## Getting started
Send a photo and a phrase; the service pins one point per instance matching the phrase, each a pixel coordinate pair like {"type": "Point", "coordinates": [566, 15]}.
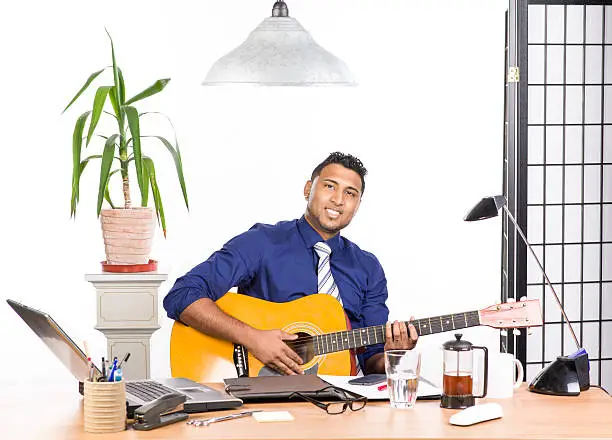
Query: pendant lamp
{"type": "Point", "coordinates": [280, 52]}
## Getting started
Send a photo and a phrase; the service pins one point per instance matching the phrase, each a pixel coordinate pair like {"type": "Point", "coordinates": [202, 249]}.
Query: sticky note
{"type": "Point", "coordinates": [273, 416]}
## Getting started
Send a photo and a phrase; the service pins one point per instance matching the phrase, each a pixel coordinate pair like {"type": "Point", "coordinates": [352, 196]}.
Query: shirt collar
{"type": "Point", "coordinates": [311, 237]}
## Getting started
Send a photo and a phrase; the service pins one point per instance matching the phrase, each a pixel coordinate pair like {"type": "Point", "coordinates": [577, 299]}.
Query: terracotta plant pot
{"type": "Point", "coordinates": [128, 234]}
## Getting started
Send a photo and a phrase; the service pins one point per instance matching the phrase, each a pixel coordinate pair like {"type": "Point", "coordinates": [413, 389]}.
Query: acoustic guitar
{"type": "Point", "coordinates": [324, 337]}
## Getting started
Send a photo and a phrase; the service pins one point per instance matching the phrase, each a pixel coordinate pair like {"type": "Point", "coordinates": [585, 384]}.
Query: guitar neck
{"type": "Point", "coordinates": [362, 337]}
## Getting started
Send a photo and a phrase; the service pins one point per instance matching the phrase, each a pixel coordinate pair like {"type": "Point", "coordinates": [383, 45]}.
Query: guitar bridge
{"type": "Point", "coordinates": [241, 360]}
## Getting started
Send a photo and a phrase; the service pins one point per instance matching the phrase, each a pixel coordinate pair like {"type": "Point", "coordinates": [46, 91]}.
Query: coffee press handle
{"type": "Point", "coordinates": [486, 369]}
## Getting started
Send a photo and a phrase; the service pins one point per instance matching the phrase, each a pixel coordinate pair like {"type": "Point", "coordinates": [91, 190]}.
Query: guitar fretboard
{"type": "Point", "coordinates": [362, 337]}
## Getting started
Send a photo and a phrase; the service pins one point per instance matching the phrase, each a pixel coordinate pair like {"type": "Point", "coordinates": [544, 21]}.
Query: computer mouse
{"type": "Point", "coordinates": [476, 414]}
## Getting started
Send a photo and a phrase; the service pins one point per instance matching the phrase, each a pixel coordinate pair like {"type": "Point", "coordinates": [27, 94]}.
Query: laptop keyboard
{"type": "Point", "coordinates": [147, 390]}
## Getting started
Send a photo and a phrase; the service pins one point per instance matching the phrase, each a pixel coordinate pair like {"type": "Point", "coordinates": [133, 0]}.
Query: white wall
{"type": "Point", "coordinates": [426, 120]}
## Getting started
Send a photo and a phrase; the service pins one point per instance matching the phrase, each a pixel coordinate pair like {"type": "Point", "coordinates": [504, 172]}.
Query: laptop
{"type": "Point", "coordinates": [200, 398]}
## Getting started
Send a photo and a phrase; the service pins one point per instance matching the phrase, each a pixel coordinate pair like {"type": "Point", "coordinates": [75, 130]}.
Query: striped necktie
{"type": "Point", "coordinates": [326, 283]}
{"type": "Point", "coordinates": [326, 279]}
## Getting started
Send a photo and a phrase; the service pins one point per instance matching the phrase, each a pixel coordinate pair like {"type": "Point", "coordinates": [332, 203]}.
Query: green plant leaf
{"type": "Point", "coordinates": [176, 155]}
{"type": "Point", "coordinates": [107, 197]}
{"type": "Point", "coordinates": [134, 124]}
{"type": "Point", "coordinates": [121, 87]}
{"type": "Point", "coordinates": [157, 87]}
{"type": "Point", "coordinates": [106, 191]}
{"type": "Point", "coordinates": [146, 180]}
{"type": "Point", "coordinates": [82, 166]}
{"type": "Point", "coordinates": [113, 99]}
{"type": "Point", "coordinates": [118, 92]}
{"type": "Point", "coordinates": [77, 142]}
{"type": "Point", "coordinates": [116, 102]}
{"type": "Point", "coordinates": [99, 135]}
{"type": "Point", "coordinates": [87, 83]}
{"type": "Point", "coordinates": [159, 207]}
{"type": "Point", "coordinates": [85, 161]}
{"type": "Point", "coordinates": [98, 105]}
{"type": "Point", "coordinates": [107, 161]}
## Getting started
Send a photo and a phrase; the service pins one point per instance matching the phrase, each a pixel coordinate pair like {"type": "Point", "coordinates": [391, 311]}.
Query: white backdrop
{"type": "Point", "coordinates": [426, 121]}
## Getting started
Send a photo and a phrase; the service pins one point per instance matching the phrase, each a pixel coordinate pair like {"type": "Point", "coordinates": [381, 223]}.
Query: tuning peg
{"type": "Point", "coordinates": [504, 333]}
{"type": "Point", "coordinates": [516, 332]}
{"type": "Point", "coordinates": [511, 300]}
{"type": "Point", "coordinates": [523, 298]}
{"type": "Point", "coordinates": [529, 331]}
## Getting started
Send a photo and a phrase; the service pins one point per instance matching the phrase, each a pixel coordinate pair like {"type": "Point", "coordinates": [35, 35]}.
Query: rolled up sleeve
{"type": "Point", "coordinates": [235, 263]}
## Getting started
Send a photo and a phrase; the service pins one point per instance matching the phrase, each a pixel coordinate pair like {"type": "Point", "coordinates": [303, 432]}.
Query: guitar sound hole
{"type": "Point", "coordinates": [303, 346]}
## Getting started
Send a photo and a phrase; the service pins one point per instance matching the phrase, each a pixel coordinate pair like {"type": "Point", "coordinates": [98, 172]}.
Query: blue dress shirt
{"type": "Point", "coordinates": [278, 263]}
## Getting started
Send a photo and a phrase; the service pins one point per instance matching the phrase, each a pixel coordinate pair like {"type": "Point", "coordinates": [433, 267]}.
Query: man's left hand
{"type": "Point", "coordinates": [400, 337]}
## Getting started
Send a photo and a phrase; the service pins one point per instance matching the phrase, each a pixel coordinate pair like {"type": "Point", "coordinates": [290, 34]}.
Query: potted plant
{"type": "Point", "coordinates": [128, 230]}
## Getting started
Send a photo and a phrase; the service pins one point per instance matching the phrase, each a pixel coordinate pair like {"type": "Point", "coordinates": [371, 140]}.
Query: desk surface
{"type": "Point", "coordinates": [58, 414]}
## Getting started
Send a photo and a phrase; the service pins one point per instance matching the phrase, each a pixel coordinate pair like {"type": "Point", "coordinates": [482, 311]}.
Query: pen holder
{"type": "Point", "coordinates": [104, 406]}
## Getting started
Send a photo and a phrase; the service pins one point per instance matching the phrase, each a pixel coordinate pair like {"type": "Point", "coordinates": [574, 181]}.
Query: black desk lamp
{"type": "Point", "coordinates": [568, 375]}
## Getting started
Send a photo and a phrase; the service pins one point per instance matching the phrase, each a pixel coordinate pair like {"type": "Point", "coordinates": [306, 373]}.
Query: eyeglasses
{"type": "Point", "coordinates": [349, 400]}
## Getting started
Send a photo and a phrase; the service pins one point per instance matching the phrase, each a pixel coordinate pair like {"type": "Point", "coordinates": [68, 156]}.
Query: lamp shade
{"type": "Point", "coordinates": [280, 52]}
{"type": "Point", "coordinates": [487, 207]}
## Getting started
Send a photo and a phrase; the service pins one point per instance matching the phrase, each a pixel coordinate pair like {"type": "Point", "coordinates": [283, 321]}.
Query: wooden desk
{"type": "Point", "coordinates": [59, 415]}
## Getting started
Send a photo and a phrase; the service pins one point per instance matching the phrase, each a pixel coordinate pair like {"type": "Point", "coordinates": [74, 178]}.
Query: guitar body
{"type": "Point", "coordinates": [203, 358]}
{"type": "Point", "coordinates": [324, 337]}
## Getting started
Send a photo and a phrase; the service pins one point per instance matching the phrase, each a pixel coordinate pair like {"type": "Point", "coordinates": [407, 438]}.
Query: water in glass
{"type": "Point", "coordinates": [402, 389]}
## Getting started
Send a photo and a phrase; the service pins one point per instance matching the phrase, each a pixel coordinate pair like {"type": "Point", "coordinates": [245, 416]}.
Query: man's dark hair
{"type": "Point", "coordinates": [347, 161]}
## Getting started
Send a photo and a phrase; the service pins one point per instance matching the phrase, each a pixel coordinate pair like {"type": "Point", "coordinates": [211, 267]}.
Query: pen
{"type": "Point", "coordinates": [206, 422]}
{"type": "Point", "coordinates": [111, 375]}
{"type": "Point", "coordinates": [125, 359]}
{"type": "Point", "coordinates": [103, 378]}
{"type": "Point", "coordinates": [382, 387]}
{"type": "Point", "coordinates": [90, 365]}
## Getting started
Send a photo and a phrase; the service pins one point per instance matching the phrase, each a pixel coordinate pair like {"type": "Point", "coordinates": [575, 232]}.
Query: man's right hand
{"type": "Point", "coordinates": [269, 348]}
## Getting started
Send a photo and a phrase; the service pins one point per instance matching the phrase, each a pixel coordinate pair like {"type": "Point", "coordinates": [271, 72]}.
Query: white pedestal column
{"type": "Point", "coordinates": [126, 309]}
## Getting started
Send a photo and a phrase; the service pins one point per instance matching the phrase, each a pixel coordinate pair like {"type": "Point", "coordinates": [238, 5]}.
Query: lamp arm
{"type": "Point", "coordinates": [518, 229]}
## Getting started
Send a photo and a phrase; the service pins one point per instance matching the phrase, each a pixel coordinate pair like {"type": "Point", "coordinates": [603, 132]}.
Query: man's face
{"type": "Point", "coordinates": [333, 198]}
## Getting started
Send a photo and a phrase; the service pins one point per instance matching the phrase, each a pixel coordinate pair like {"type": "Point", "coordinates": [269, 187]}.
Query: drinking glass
{"type": "Point", "coordinates": [403, 368]}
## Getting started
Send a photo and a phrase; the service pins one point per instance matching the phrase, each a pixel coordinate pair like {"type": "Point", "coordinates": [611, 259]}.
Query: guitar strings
{"type": "Point", "coordinates": [310, 339]}
{"type": "Point", "coordinates": [381, 328]}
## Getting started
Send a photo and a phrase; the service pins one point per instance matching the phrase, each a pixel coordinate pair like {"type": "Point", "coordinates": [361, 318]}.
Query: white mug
{"type": "Point", "coordinates": [505, 375]}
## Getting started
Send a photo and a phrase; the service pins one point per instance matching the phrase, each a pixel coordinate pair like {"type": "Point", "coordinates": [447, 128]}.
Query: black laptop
{"type": "Point", "coordinates": [200, 398]}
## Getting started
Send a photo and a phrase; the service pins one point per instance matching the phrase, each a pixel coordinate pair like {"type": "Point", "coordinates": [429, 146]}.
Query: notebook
{"type": "Point", "coordinates": [200, 398]}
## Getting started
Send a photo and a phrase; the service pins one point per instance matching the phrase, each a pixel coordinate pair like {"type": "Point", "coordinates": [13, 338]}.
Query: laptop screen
{"type": "Point", "coordinates": [55, 338]}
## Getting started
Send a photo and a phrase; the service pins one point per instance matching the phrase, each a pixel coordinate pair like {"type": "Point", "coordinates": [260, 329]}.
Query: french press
{"type": "Point", "coordinates": [458, 373]}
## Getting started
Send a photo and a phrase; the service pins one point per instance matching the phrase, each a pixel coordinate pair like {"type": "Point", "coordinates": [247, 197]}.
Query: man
{"type": "Point", "coordinates": [292, 259]}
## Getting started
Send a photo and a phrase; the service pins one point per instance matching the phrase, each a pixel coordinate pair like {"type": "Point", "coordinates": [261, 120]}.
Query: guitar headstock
{"type": "Point", "coordinates": [526, 313]}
